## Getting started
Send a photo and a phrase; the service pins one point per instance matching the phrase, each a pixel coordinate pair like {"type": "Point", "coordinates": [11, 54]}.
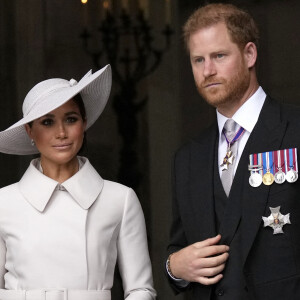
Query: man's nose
{"type": "Point", "coordinates": [209, 68]}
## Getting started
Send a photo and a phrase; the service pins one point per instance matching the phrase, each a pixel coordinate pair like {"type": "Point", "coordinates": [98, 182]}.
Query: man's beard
{"type": "Point", "coordinates": [229, 91]}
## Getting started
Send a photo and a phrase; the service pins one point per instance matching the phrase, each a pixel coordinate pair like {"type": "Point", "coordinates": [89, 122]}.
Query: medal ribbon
{"type": "Point", "coordinates": [260, 162]}
{"type": "Point", "coordinates": [291, 156]}
{"type": "Point", "coordinates": [285, 160]}
{"type": "Point", "coordinates": [255, 160]}
{"type": "Point", "coordinates": [279, 158]}
{"type": "Point", "coordinates": [289, 159]}
{"type": "Point", "coordinates": [291, 162]}
{"type": "Point", "coordinates": [237, 136]}
{"type": "Point", "coordinates": [251, 159]}
{"type": "Point", "coordinates": [271, 162]}
{"type": "Point", "coordinates": [295, 159]}
{"type": "Point", "coordinates": [268, 162]}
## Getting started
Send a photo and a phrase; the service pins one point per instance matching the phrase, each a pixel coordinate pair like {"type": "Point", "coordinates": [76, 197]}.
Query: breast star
{"type": "Point", "coordinates": [276, 220]}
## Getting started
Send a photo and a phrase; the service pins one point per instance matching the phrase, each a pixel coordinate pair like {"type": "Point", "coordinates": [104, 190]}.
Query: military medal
{"type": "Point", "coordinates": [276, 220]}
{"type": "Point", "coordinates": [292, 166]}
{"type": "Point", "coordinates": [291, 176]}
{"type": "Point", "coordinates": [255, 168]}
{"type": "Point", "coordinates": [255, 179]}
{"type": "Point", "coordinates": [229, 157]}
{"type": "Point", "coordinates": [268, 177]}
{"type": "Point", "coordinates": [279, 176]}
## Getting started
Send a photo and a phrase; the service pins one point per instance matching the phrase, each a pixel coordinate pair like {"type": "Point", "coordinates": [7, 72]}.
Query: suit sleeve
{"type": "Point", "coordinates": [133, 256]}
{"type": "Point", "coordinates": [177, 235]}
{"type": "Point", "coordinates": [2, 262]}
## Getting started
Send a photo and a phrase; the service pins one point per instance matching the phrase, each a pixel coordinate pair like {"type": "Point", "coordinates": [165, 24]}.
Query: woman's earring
{"type": "Point", "coordinates": [32, 143]}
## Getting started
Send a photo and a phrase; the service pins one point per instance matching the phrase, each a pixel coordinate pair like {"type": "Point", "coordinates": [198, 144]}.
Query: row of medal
{"type": "Point", "coordinates": [274, 166]}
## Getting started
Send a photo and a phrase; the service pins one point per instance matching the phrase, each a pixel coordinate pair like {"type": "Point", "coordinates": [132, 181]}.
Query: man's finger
{"type": "Point", "coordinates": [208, 242]}
{"type": "Point", "coordinates": [212, 250]}
{"type": "Point", "coordinates": [209, 280]}
{"type": "Point", "coordinates": [211, 272]}
{"type": "Point", "coordinates": [210, 262]}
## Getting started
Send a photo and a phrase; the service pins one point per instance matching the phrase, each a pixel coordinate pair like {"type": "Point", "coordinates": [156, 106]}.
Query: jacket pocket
{"type": "Point", "coordinates": [272, 256]}
{"type": "Point", "coordinates": [287, 288]}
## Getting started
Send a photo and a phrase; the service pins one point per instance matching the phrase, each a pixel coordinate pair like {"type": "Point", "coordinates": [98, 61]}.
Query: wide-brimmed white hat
{"type": "Point", "coordinates": [51, 94]}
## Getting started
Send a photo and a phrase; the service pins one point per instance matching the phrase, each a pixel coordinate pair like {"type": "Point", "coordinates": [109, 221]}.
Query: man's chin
{"type": "Point", "coordinates": [213, 99]}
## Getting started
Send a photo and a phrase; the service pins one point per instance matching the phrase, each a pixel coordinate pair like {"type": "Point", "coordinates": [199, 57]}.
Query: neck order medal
{"type": "Point", "coordinates": [227, 160]}
{"type": "Point", "coordinates": [229, 157]}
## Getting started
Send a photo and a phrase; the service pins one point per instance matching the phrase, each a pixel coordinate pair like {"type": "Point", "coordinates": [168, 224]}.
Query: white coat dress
{"type": "Point", "coordinates": [69, 236]}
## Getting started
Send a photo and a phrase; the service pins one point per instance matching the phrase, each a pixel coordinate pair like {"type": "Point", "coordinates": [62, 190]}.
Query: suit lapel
{"type": "Point", "coordinates": [201, 184]}
{"type": "Point", "coordinates": [267, 135]}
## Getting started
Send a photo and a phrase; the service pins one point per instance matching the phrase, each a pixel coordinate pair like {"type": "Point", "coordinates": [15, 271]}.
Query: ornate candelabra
{"type": "Point", "coordinates": [126, 43]}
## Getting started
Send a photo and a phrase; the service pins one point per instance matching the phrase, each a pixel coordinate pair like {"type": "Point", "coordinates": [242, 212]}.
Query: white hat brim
{"type": "Point", "coordinates": [94, 90]}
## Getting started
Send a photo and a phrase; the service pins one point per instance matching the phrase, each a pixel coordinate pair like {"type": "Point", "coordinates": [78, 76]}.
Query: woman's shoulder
{"type": "Point", "coordinates": [9, 193]}
{"type": "Point", "coordinates": [118, 194]}
{"type": "Point", "coordinates": [117, 186]}
{"type": "Point", "coordinates": [8, 189]}
{"type": "Point", "coordinates": [120, 202]}
{"type": "Point", "coordinates": [117, 189]}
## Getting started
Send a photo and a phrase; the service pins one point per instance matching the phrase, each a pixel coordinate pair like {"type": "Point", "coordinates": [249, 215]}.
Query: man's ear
{"type": "Point", "coordinates": [250, 54]}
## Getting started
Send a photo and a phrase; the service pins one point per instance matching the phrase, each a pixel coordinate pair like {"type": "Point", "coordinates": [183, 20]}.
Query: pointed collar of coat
{"type": "Point", "coordinates": [84, 186]}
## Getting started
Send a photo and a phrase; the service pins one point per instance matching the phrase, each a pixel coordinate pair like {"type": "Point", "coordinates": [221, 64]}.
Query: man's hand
{"type": "Point", "coordinates": [201, 262]}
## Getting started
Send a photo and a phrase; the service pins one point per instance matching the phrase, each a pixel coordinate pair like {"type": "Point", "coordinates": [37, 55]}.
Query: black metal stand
{"type": "Point", "coordinates": [127, 44]}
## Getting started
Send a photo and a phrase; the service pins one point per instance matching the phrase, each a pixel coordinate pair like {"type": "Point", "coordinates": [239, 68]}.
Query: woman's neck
{"type": "Point", "coordinates": [59, 172]}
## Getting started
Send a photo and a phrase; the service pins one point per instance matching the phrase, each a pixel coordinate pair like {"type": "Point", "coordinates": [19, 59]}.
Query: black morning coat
{"type": "Point", "coordinates": [268, 264]}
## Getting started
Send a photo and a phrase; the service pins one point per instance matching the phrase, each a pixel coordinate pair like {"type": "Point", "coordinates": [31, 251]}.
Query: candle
{"type": "Point", "coordinates": [125, 5]}
{"type": "Point", "coordinates": [168, 11]}
{"type": "Point", "coordinates": [144, 6]}
{"type": "Point", "coordinates": [106, 5]}
{"type": "Point", "coordinates": [85, 13]}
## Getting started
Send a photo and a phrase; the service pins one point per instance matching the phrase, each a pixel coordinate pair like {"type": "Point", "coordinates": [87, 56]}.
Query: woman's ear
{"type": "Point", "coordinates": [250, 54]}
{"type": "Point", "coordinates": [28, 130]}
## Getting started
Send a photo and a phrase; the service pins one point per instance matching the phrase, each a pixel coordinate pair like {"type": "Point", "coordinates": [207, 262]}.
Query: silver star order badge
{"type": "Point", "coordinates": [276, 220]}
{"type": "Point", "coordinates": [228, 160]}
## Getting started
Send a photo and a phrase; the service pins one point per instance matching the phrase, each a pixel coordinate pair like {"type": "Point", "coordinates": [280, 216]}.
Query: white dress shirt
{"type": "Point", "coordinates": [246, 116]}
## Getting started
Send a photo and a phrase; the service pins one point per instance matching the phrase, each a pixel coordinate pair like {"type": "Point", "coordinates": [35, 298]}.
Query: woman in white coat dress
{"type": "Point", "coordinates": [63, 227]}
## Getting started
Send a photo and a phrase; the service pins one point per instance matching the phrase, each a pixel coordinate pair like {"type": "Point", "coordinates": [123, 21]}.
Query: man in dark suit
{"type": "Point", "coordinates": [233, 237]}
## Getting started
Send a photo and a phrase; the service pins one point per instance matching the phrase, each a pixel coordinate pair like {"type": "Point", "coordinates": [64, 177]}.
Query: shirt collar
{"type": "Point", "coordinates": [247, 115]}
{"type": "Point", "coordinates": [84, 186]}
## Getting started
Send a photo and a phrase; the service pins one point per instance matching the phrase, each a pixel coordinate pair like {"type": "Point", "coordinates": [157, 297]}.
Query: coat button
{"type": "Point", "coordinates": [220, 292]}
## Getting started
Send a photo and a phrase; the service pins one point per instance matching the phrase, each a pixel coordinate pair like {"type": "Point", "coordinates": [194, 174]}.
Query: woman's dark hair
{"type": "Point", "coordinates": [79, 102]}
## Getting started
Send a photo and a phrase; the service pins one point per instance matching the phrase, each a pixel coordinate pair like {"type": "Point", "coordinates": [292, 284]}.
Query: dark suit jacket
{"type": "Point", "coordinates": [271, 263]}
